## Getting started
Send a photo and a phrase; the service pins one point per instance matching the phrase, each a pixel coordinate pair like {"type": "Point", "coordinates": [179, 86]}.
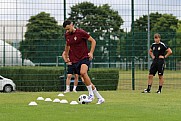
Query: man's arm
{"type": "Point", "coordinates": [65, 54]}
{"type": "Point", "coordinates": [64, 57]}
{"type": "Point", "coordinates": [169, 52]}
{"type": "Point", "coordinates": [93, 45]}
{"type": "Point", "coordinates": [151, 54]}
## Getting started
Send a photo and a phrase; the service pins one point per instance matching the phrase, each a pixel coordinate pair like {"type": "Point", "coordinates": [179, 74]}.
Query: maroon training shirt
{"type": "Point", "coordinates": [78, 45]}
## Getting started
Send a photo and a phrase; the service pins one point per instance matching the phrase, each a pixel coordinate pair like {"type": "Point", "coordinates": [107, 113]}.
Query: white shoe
{"type": "Point", "coordinates": [66, 91]}
{"type": "Point", "coordinates": [158, 91]}
{"type": "Point", "coordinates": [145, 91]}
{"type": "Point", "coordinates": [75, 91]}
{"type": "Point", "coordinates": [100, 101]}
{"type": "Point", "coordinates": [90, 99]}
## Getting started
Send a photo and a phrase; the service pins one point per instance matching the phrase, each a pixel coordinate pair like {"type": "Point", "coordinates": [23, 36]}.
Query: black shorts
{"type": "Point", "coordinates": [71, 69]}
{"type": "Point", "coordinates": [76, 66]}
{"type": "Point", "coordinates": [157, 65]}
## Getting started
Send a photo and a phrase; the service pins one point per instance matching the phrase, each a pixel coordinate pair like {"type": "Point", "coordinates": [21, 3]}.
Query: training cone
{"type": "Point", "coordinates": [32, 103]}
{"type": "Point", "coordinates": [73, 102]}
{"type": "Point", "coordinates": [48, 99]}
{"type": "Point", "coordinates": [61, 95]}
{"type": "Point", "coordinates": [40, 98]}
{"type": "Point", "coordinates": [63, 101]}
{"type": "Point", "coordinates": [56, 100]}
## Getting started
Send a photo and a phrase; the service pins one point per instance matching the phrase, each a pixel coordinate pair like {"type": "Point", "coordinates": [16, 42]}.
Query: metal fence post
{"type": "Point", "coordinates": [133, 49]}
{"type": "Point", "coordinates": [4, 46]}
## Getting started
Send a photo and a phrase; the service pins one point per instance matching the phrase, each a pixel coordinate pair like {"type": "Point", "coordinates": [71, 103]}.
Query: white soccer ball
{"type": "Point", "coordinates": [82, 99]}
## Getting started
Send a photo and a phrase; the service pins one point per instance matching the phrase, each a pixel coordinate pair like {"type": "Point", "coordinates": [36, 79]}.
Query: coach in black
{"type": "Point", "coordinates": [157, 53]}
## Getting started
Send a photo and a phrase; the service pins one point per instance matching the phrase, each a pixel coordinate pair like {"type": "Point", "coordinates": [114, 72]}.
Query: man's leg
{"type": "Point", "coordinates": [161, 81]}
{"type": "Point", "coordinates": [87, 81]}
{"type": "Point", "coordinates": [94, 90]}
{"type": "Point", "coordinates": [69, 76]}
{"type": "Point", "coordinates": [76, 78]}
{"type": "Point", "coordinates": [161, 66]}
{"type": "Point", "coordinates": [150, 81]}
{"type": "Point", "coordinates": [98, 95]}
{"type": "Point", "coordinates": [152, 72]}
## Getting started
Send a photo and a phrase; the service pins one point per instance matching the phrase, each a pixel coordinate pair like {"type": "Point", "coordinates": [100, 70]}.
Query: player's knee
{"type": "Point", "coordinates": [76, 76]}
{"type": "Point", "coordinates": [150, 76]}
{"type": "Point", "coordinates": [160, 76]}
{"type": "Point", "coordinates": [69, 76]}
{"type": "Point", "coordinates": [82, 73]}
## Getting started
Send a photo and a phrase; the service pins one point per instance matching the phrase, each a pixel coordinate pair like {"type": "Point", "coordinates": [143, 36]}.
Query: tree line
{"type": "Point", "coordinates": [44, 38]}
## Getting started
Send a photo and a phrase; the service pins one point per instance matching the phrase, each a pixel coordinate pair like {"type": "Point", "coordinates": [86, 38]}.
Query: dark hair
{"type": "Point", "coordinates": [65, 23]}
{"type": "Point", "coordinates": [157, 35]}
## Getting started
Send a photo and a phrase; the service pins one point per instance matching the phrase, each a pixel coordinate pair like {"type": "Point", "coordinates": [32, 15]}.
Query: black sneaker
{"type": "Point", "coordinates": [158, 91]}
{"type": "Point", "coordinates": [146, 91]}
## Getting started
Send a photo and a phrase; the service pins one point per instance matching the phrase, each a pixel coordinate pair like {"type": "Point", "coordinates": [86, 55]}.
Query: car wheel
{"type": "Point", "coordinates": [8, 88]}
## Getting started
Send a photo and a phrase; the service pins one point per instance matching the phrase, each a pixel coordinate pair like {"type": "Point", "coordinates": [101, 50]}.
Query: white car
{"type": "Point", "coordinates": [7, 85]}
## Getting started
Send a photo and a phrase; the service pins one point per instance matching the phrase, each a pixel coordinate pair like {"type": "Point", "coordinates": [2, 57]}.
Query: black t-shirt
{"type": "Point", "coordinates": [159, 49]}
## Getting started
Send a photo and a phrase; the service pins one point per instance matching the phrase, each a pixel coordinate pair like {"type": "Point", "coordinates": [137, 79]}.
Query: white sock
{"type": "Point", "coordinates": [97, 94]}
{"type": "Point", "coordinates": [67, 87]}
{"type": "Point", "coordinates": [74, 87]}
{"type": "Point", "coordinates": [89, 88]}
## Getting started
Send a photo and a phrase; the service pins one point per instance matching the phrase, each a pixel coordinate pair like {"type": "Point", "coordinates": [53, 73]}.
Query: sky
{"type": "Point", "coordinates": [140, 8]}
{"type": "Point", "coordinates": [21, 10]}
{"type": "Point", "coordinates": [26, 8]}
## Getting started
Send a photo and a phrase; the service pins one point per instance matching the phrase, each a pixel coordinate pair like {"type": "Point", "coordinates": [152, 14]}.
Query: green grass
{"type": "Point", "coordinates": [119, 106]}
{"type": "Point", "coordinates": [172, 80]}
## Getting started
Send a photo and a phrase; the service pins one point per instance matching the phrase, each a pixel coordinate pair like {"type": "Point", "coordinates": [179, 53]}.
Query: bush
{"type": "Point", "coordinates": [105, 79]}
{"type": "Point", "coordinates": [48, 78]}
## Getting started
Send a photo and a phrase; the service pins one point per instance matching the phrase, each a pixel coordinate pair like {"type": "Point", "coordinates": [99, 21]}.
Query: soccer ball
{"type": "Point", "coordinates": [82, 99]}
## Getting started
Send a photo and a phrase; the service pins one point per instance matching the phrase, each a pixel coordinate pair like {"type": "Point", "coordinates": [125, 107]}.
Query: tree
{"type": "Point", "coordinates": [43, 39]}
{"type": "Point", "coordinates": [103, 23]}
{"type": "Point", "coordinates": [141, 24]}
{"type": "Point", "coordinates": [165, 24]}
{"type": "Point", "coordinates": [177, 44]}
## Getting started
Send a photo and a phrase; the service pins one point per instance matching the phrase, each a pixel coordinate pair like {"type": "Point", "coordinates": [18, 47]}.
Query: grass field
{"type": "Point", "coordinates": [172, 80]}
{"type": "Point", "coordinates": [120, 105]}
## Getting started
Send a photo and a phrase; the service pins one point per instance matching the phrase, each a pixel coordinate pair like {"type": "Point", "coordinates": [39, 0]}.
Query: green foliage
{"type": "Point", "coordinates": [105, 79]}
{"type": "Point", "coordinates": [43, 39]}
{"type": "Point", "coordinates": [95, 18]}
{"type": "Point", "coordinates": [48, 78]}
{"type": "Point", "coordinates": [103, 23]}
{"type": "Point", "coordinates": [35, 78]}
{"type": "Point", "coordinates": [177, 44]}
{"type": "Point", "coordinates": [141, 24]}
{"type": "Point", "coordinates": [165, 24]}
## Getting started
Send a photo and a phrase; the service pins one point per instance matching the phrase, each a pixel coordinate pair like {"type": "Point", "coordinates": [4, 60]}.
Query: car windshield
{"type": "Point", "coordinates": [1, 77]}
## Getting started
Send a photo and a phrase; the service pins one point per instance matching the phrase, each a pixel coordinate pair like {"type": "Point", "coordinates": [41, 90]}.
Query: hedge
{"type": "Point", "coordinates": [48, 78]}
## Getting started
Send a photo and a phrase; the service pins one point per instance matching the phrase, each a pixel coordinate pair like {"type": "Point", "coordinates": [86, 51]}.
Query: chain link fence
{"type": "Point", "coordinates": [31, 34]}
